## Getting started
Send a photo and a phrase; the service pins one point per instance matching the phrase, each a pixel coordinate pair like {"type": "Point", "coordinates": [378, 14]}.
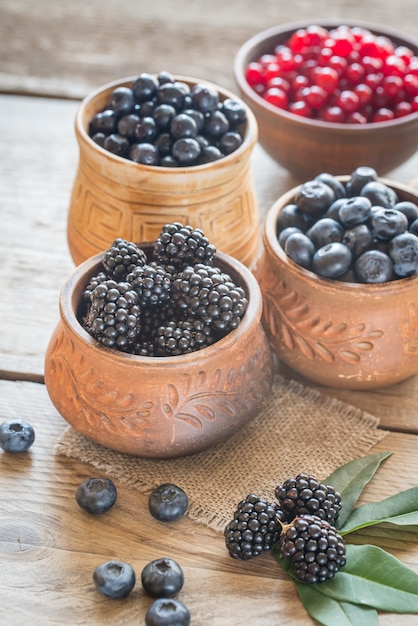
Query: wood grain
{"type": "Point", "coordinates": [67, 49]}
{"type": "Point", "coordinates": [50, 547]}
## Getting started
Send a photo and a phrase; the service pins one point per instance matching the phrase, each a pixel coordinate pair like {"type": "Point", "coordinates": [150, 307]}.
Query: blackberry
{"type": "Point", "coordinates": [121, 258]}
{"type": "Point", "coordinates": [254, 528]}
{"type": "Point", "coordinates": [209, 294]}
{"type": "Point", "coordinates": [315, 548]}
{"type": "Point", "coordinates": [114, 315]}
{"type": "Point", "coordinates": [94, 281]}
{"type": "Point", "coordinates": [174, 338]}
{"type": "Point", "coordinates": [152, 283]}
{"type": "Point", "coordinates": [305, 494]}
{"type": "Point", "coordinates": [180, 246]}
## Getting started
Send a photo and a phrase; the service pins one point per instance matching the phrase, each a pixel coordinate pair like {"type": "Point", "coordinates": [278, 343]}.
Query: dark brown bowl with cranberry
{"type": "Point", "coordinates": [328, 97]}
{"type": "Point", "coordinates": [339, 279]}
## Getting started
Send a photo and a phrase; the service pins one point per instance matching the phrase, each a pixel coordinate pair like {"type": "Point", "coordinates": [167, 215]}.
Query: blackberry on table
{"type": "Point", "coordinates": [305, 494]}
{"type": "Point", "coordinates": [121, 258]}
{"type": "Point", "coordinates": [209, 294]}
{"type": "Point", "coordinates": [254, 528]}
{"type": "Point", "coordinates": [315, 548]}
{"type": "Point", "coordinates": [180, 246]}
{"type": "Point", "coordinates": [152, 283]}
{"type": "Point", "coordinates": [114, 315]}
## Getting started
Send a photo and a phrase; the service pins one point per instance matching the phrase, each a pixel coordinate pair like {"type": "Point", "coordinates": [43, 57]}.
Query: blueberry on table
{"type": "Point", "coordinates": [168, 502]}
{"type": "Point", "coordinates": [167, 612]}
{"type": "Point", "coordinates": [96, 495]}
{"type": "Point", "coordinates": [114, 579]}
{"type": "Point", "coordinates": [162, 578]}
{"type": "Point", "coordinates": [16, 436]}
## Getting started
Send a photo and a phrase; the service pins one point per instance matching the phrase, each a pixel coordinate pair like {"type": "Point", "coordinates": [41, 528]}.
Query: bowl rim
{"type": "Point", "coordinates": [244, 54]}
{"type": "Point", "coordinates": [250, 138]}
{"type": "Point", "coordinates": [70, 297]}
{"type": "Point", "coordinates": [371, 290]}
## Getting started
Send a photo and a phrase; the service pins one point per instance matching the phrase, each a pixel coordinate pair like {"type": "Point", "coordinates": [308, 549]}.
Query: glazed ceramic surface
{"type": "Point", "coordinates": [115, 197]}
{"type": "Point", "coordinates": [307, 147]}
{"type": "Point", "coordinates": [337, 334]}
{"type": "Point", "coordinates": [158, 407]}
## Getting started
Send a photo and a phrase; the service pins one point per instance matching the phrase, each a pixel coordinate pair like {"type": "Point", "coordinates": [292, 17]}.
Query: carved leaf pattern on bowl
{"type": "Point", "coordinates": [289, 317]}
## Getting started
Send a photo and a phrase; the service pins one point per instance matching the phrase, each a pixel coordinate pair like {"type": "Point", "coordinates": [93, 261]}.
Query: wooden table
{"type": "Point", "coordinates": [48, 547]}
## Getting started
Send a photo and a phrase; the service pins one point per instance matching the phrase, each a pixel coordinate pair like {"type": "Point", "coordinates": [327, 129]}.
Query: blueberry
{"type": "Point", "coordinates": [204, 98]}
{"type": "Point", "coordinates": [169, 93]}
{"type": "Point", "coordinates": [410, 209]}
{"type": "Point", "coordinates": [300, 249]}
{"type": "Point", "coordinates": [145, 130]}
{"type": "Point", "coordinates": [332, 260]}
{"type": "Point", "coordinates": [359, 178]}
{"type": "Point", "coordinates": [168, 502]}
{"type": "Point", "coordinates": [387, 223]}
{"type": "Point", "coordinates": [234, 111]}
{"type": "Point", "coordinates": [373, 266]}
{"type": "Point", "coordinates": [380, 194]}
{"type": "Point", "coordinates": [163, 114]}
{"type": "Point", "coordinates": [325, 230]}
{"type": "Point", "coordinates": [114, 579]}
{"type": "Point", "coordinates": [145, 87]}
{"type": "Point", "coordinates": [96, 495]}
{"type": "Point", "coordinates": [198, 117]}
{"type": "Point", "coordinates": [290, 216]}
{"type": "Point", "coordinates": [285, 233]}
{"type": "Point", "coordinates": [162, 578]}
{"type": "Point", "coordinates": [314, 198]}
{"type": "Point", "coordinates": [333, 210]}
{"type": "Point", "coordinates": [183, 125]}
{"type": "Point", "coordinates": [116, 144]}
{"type": "Point", "coordinates": [145, 153]}
{"type": "Point", "coordinates": [127, 123]}
{"type": "Point", "coordinates": [122, 100]}
{"type": "Point", "coordinates": [186, 151]}
{"type": "Point", "coordinates": [403, 250]}
{"type": "Point", "coordinates": [229, 142]}
{"type": "Point", "coordinates": [216, 124]}
{"type": "Point", "coordinates": [16, 436]}
{"type": "Point", "coordinates": [167, 612]}
{"type": "Point", "coordinates": [104, 121]}
{"type": "Point", "coordinates": [414, 227]}
{"type": "Point", "coordinates": [333, 182]}
{"type": "Point", "coordinates": [355, 210]}
{"type": "Point", "coordinates": [358, 239]}
{"type": "Point", "coordinates": [209, 154]}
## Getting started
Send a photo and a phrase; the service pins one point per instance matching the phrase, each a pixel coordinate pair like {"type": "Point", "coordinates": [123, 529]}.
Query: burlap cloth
{"type": "Point", "coordinates": [299, 429]}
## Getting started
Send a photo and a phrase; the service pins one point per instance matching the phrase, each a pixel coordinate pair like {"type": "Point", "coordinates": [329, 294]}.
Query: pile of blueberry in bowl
{"type": "Point", "coordinates": [339, 277]}
{"type": "Point", "coordinates": [169, 122]}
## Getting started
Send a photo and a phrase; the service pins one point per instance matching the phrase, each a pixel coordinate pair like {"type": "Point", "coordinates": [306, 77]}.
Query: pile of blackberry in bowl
{"type": "Point", "coordinates": [339, 277]}
{"type": "Point", "coordinates": [160, 350]}
{"type": "Point", "coordinates": [165, 299]}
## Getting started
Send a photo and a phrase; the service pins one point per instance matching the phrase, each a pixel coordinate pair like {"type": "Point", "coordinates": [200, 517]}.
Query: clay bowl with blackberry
{"type": "Point", "coordinates": [300, 120]}
{"type": "Point", "coordinates": [339, 332]}
{"type": "Point", "coordinates": [129, 196]}
{"type": "Point", "coordinates": [158, 406]}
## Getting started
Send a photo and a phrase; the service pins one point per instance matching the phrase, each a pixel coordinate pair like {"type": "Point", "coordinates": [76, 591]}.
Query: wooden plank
{"type": "Point", "coordinates": [50, 547]}
{"type": "Point", "coordinates": [67, 49]}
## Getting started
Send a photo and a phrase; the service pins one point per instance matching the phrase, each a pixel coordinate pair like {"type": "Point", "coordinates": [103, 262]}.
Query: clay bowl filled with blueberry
{"type": "Point", "coordinates": [155, 149]}
{"type": "Point", "coordinates": [339, 280]}
{"type": "Point", "coordinates": [328, 97]}
{"type": "Point", "coordinates": [160, 350]}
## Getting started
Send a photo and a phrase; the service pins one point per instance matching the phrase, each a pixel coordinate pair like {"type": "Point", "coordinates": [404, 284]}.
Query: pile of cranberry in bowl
{"type": "Point", "coordinates": [328, 97]}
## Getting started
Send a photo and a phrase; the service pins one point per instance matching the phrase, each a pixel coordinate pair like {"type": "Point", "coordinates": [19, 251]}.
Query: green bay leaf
{"type": "Point", "coordinates": [330, 612]}
{"type": "Point", "coordinates": [373, 577]}
{"type": "Point", "coordinates": [400, 509]}
{"type": "Point", "coordinates": [351, 478]}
